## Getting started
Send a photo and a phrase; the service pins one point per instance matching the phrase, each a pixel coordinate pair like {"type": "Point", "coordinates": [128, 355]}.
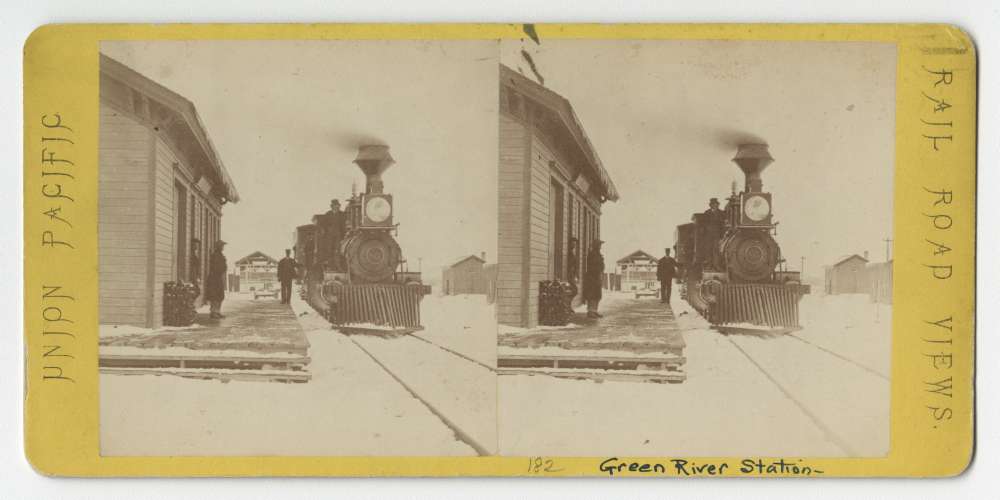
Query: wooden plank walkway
{"type": "Point", "coordinates": [640, 326]}
{"type": "Point", "coordinates": [668, 376]}
{"type": "Point", "coordinates": [636, 339]}
{"type": "Point", "coordinates": [264, 326]}
{"type": "Point", "coordinates": [284, 376]}
{"type": "Point", "coordinates": [255, 335]}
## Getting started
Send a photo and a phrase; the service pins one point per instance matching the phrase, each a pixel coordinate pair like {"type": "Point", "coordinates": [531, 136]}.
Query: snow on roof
{"type": "Point", "coordinates": [463, 259]}
{"type": "Point", "coordinates": [844, 258]}
{"type": "Point", "coordinates": [634, 256]}
{"type": "Point", "coordinates": [184, 113]}
{"type": "Point", "coordinates": [564, 110]}
{"type": "Point", "coordinates": [258, 255]}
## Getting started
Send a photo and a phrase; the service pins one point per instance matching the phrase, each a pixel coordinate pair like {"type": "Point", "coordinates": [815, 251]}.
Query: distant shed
{"type": "Point", "coordinates": [847, 275]}
{"type": "Point", "coordinates": [467, 276]}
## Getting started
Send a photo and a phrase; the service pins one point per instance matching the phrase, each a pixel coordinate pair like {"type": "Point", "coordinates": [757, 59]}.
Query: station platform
{"type": "Point", "coordinates": [258, 339]}
{"type": "Point", "coordinates": [636, 338]}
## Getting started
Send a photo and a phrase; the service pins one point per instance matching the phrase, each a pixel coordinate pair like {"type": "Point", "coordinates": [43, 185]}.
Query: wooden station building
{"type": "Point", "coordinates": [161, 191]}
{"type": "Point", "coordinates": [551, 187]}
{"type": "Point", "coordinates": [257, 271]}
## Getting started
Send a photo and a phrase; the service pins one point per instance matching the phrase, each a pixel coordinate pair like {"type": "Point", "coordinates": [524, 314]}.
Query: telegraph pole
{"type": "Point", "coordinates": [802, 266]}
{"type": "Point", "coordinates": [888, 249]}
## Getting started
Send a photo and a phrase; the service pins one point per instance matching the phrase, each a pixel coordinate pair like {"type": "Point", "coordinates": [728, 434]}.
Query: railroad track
{"type": "Point", "coordinates": [798, 381]}
{"type": "Point", "coordinates": [842, 357]}
{"type": "Point", "coordinates": [421, 387]}
{"type": "Point", "coordinates": [453, 352]}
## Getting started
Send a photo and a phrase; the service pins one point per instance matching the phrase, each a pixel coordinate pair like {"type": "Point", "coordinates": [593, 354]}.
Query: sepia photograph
{"type": "Point", "coordinates": [690, 252]}
{"type": "Point", "coordinates": [296, 255]}
{"type": "Point", "coordinates": [695, 247]}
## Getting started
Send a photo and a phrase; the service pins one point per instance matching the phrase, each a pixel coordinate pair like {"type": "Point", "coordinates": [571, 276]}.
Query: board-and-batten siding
{"type": "Point", "coordinates": [123, 192]}
{"type": "Point", "coordinates": [514, 306]}
{"type": "Point", "coordinates": [513, 141]}
{"type": "Point", "coordinates": [164, 239]}
{"type": "Point", "coordinates": [538, 225]}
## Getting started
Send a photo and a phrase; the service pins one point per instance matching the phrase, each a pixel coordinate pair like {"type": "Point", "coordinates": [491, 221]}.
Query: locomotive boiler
{"type": "Point", "coordinates": [728, 260]}
{"type": "Point", "coordinates": [354, 270]}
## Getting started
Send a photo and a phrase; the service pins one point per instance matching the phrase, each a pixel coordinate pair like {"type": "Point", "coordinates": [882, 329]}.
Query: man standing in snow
{"type": "Point", "coordinates": [666, 268]}
{"type": "Point", "coordinates": [592, 279]}
{"type": "Point", "coordinates": [215, 285]}
{"type": "Point", "coordinates": [286, 273]}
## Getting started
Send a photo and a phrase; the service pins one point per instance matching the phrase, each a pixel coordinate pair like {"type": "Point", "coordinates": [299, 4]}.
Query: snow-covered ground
{"type": "Point", "coordinates": [350, 407]}
{"type": "Point", "coordinates": [849, 325]}
{"type": "Point", "coordinates": [792, 399]}
{"type": "Point", "coordinates": [113, 331]}
{"type": "Point", "coordinates": [465, 323]}
{"type": "Point", "coordinates": [851, 398]}
{"type": "Point", "coordinates": [824, 406]}
{"type": "Point", "coordinates": [464, 391]}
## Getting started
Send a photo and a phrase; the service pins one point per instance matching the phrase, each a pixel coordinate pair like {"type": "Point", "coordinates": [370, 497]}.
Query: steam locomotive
{"type": "Point", "coordinates": [354, 271]}
{"type": "Point", "coordinates": [728, 261]}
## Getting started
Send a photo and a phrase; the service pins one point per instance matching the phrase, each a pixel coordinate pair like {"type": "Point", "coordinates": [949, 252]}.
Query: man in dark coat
{"type": "Point", "coordinates": [331, 227]}
{"type": "Point", "coordinates": [592, 277]}
{"type": "Point", "coordinates": [715, 221]}
{"type": "Point", "coordinates": [286, 273]}
{"type": "Point", "coordinates": [666, 269]}
{"type": "Point", "coordinates": [215, 285]}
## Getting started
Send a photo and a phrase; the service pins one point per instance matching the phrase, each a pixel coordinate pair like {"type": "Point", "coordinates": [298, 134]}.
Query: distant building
{"type": "Point", "coordinates": [551, 187]}
{"type": "Point", "coordinates": [847, 275]}
{"type": "Point", "coordinates": [467, 276]}
{"type": "Point", "coordinates": [490, 274]}
{"type": "Point", "coordinates": [161, 189]}
{"type": "Point", "coordinates": [880, 282]}
{"type": "Point", "coordinates": [257, 271]}
{"type": "Point", "coordinates": [637, 272]}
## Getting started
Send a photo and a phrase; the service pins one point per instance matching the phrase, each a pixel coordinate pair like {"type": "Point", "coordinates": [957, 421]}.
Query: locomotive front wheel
{"type": "Point", "coordinates": [372, 256]}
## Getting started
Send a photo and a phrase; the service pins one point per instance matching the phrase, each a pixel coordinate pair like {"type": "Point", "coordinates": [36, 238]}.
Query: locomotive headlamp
{"type": "Point", "coordinates": [378, 209]}
{"type": "Point", "coordinates": [756, 208]}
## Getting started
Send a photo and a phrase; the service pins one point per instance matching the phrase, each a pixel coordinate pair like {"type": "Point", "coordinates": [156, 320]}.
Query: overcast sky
{"type": "Point", "coordinates": [666, 117]}
{"type": "Point", "coordinates": [287, 116]}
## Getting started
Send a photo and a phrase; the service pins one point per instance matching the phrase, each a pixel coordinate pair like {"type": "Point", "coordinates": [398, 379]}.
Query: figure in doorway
{"type": "Point", "coordinates": [194, 272]}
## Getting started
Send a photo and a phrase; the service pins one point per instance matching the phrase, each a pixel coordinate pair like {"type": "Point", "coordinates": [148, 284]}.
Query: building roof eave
{"type": "Point", "coordinates": [183, 110]}
{"type": "Point", "coordinates": [630, 257]}
{"type": "Point", "coordinates": [257, 254]}
{"type": "Point", "coordinates": [846, 258]}
{"type": "Point", "coordinates": [463, 259]}
{"type": "Point", "coordinates": [569, 120]}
